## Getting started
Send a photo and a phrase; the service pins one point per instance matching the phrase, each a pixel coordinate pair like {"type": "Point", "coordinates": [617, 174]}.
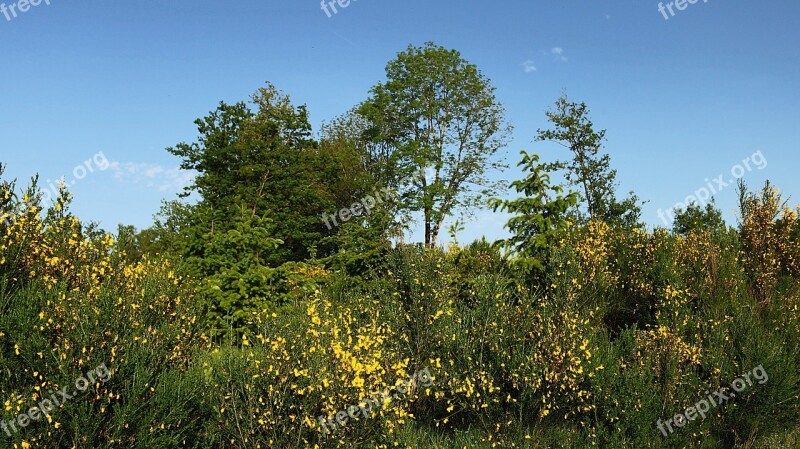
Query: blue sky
{"type": "Point", "coordinates": [684, 99]}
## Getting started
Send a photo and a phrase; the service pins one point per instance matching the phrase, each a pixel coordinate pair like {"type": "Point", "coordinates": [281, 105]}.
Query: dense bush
{"type": "Point", "coordinates": [69, 304]}
{"type": "Point", "coordinates": [624, 327]}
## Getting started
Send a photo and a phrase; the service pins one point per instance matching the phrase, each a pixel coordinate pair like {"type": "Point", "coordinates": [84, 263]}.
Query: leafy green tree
{"type": "Point", "coordinates": [362, 139]}
{"type": "Point", "coordinates": [264, 159]}
{"type": "Point", "coordinates": [128, 242]}
{"type": "Point", "coordinates": [437, 116]}
{"type": "Point", "coordinates": [364, 164]}
{"type": "Point", "coordinates": [237, 278]}
{"type": "Point", "coordinates": [588, 169]}
{"type": "Point", "coordinates": [172, 231]}
{"type": "Point", "coordinates": [539, 218]}
{"type": "Point", "coordinates": [263, 184]}
{"type": "Point", "coordinates": [696, 218]}
{"type": "Point", "coordinates": [359, 245]}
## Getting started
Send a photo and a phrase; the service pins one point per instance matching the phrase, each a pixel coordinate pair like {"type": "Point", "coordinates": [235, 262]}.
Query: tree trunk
{"type": "Point", "coordinates": [428, 231]}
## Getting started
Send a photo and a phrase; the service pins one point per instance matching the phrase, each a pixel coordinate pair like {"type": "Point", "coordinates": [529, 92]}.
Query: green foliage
{"type": "Point", "coordinates": [768, 231]}
{"type": "Point", "coordinates": [264, 185]}
{"type": "Point", "coordinates": [695, 218]}
{"type": "Point", "coordinates": [479, 258]}
{"type": "Point", "coordinates": [80, 306]}
{"type": "Point", "coordinates": [174, 228]}
{"type": "Point", "coordinates": [539, 217]}
{"type": "Point", "coordinates": [361, 246]}
{"type": "Point", "coordinates": [240, 320]}
{"type": "Point", "coordinates": [436, 112]}
{"type": "Point", "coordinates": [573, 129]}
{"type": "Point", "coordinates": [358, 246]}
{"type": "Point", "coordinates": [237, 281]}
{"type": "Point", "coordinates": [513, 366]}
{"type": "Point", "coordinates": [265, 160]}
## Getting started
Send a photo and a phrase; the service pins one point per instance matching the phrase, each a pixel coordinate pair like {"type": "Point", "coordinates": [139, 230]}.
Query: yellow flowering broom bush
{"type": "Point", "coordinates": [69, 304]}
{"type": "Point", "coordinates": [624, 327]}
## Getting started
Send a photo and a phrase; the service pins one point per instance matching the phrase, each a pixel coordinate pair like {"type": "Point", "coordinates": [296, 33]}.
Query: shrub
{"type": "Point", "coordinates": [69, 304]}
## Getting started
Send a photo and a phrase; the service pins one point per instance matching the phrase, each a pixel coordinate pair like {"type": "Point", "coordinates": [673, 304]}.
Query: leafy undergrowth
{"type": "Point", "coordinates": [626, 328]}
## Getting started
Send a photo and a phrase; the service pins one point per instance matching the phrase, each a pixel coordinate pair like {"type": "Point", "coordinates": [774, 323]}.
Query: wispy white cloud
{"type": "Point", "coordinates": [558, 52]}
{"type": "Point", "coordinates": [529, 66]}
{"type": "Point", "coordinates": [153, 176]}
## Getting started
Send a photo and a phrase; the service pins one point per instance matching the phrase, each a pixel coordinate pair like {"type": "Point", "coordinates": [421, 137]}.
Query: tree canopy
{"type": "Point", "coordinates": [437, 115]}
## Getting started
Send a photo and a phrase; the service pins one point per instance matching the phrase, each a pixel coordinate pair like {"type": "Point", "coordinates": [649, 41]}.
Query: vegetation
{"type": "Point", "coordinates": [588, 169]}
{"type": "Point", "coordinates": [437, 111]}
{"type": "Point", "coordinates": [695, 218]}
{"type": "Point", "coordinates": [242, 321]}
